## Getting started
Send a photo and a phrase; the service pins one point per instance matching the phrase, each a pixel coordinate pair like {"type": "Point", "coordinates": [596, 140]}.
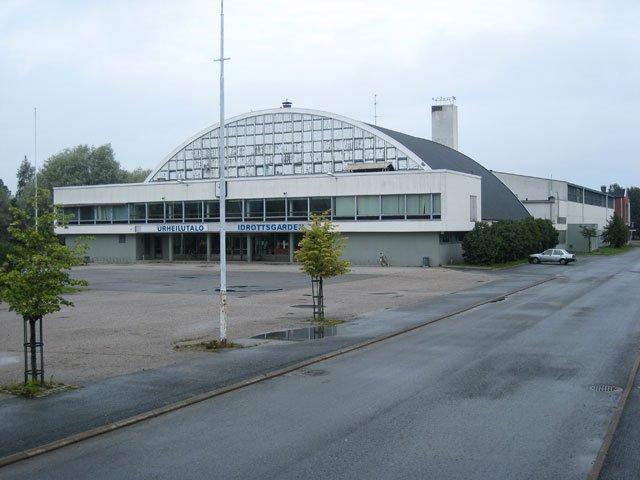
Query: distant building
{"type": "Point", "coordinates": [622, 205]}
{"type": "Point", "coordinates": [566, 205]}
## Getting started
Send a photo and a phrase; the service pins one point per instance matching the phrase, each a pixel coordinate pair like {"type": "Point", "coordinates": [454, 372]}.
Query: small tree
{"type": "Point", "coordinates": [35, 275]}
{"type": "Point", "coordinates": [616, 233]}
{"type": "Point", "coordinates": [319, 253]}
{"type": "Point", "coordinates": [588, 232]}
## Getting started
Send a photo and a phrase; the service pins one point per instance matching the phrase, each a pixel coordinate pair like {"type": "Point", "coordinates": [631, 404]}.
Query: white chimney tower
{"type": "Point", "coordinates": [444, 122]}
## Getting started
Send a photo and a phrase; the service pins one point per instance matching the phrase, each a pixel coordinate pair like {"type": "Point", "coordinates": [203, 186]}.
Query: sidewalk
{"type": "Point", "coordinates": [27, 424]}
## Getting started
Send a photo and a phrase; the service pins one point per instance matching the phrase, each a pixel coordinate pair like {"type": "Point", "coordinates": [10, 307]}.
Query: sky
{"type": "Point", "coordinates": [547, 88]}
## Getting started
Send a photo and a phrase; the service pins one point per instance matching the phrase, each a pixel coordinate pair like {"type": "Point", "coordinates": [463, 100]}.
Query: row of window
{"type": "Point", "coordinates": [361, 207]}
{"type": "Point", "coordinates": [282, 144]}
{"type": "Point", "coordinates": [581, 195]}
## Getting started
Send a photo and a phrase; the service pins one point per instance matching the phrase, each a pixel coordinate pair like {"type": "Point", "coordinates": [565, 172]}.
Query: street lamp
{"type": "Point", "coordinates": [223, 191]}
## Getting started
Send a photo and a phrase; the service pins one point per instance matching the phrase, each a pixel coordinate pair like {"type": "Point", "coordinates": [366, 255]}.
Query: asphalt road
{"type": "Point", "coordinates": [504, 391]}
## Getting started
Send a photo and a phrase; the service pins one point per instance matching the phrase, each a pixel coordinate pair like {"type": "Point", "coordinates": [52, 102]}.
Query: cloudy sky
{"type": "Point", "coordinates": [548, 88]}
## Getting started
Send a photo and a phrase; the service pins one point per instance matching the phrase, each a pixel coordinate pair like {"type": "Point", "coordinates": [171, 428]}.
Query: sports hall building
{"type": "Point", "coordinates": [387, 192]}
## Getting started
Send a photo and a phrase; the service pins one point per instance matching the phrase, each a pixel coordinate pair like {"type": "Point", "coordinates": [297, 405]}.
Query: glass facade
{"type": "Point", "coordinates": [282, 143]}
{"type": "Point", "coordinates": [424, 206]}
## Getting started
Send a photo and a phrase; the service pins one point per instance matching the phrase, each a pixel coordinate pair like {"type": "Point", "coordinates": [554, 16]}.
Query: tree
{"type": "Point", "coordinates": [26, 176]}
{"type": "Point", "coordinates": [319, 253]}
{"type": "Point", "coordinates": [5, 218]}
{"type": "Point", "coordinates": [136, 176]}
{"type": "Point", "coordinates": [588, 232]}
{"type": "Point", "coordinates": [507, 240]}
{"type": "Point", "coordinates": [616, 233]}
{"type": "Point", "coordinates": [35, 275]}
{"type": "Point", "coordinates": [81, 165]}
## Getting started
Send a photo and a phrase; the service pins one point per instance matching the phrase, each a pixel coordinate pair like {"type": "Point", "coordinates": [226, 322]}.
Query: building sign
{"type": "Point", "coordinates": [175, 228]}
{"type": "Point", "coordinates": [270, 227]}
{"type": "Point", "coordinates": [215, 227]}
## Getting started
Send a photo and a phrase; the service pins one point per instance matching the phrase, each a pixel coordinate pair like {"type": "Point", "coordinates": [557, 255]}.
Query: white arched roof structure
{"type": "Point", "coordinates": [285, 141]}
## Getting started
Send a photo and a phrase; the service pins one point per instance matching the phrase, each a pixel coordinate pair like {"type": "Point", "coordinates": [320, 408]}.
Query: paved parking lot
{"type": "Point", "coordinates": [131, 316]}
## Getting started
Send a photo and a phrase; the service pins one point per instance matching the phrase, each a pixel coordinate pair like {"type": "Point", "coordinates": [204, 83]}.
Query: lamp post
{"type": "Point", "coordinates": [223, 191]}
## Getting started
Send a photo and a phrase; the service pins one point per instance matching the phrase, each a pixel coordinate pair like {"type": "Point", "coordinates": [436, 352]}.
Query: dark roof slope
{"type": "Point", "coordinates": [498, 202]}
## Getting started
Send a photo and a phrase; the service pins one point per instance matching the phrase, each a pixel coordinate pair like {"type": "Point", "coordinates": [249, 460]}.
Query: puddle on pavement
{"type": "Point", "coordinates": [302, 334]}
{"type": "Point", "coordinates": [249, 288]}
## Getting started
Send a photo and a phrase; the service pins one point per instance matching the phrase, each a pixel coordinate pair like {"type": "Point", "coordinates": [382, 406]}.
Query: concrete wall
{"type": "Point", "coordinates": [107, 248]}
{"type": "Point", "coordinates": [402, 249]}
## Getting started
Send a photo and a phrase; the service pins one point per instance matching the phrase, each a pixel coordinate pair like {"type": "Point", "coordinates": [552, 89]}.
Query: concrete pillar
{"type": "Point", "coordinates": [171, 247]}
{"type": "Point", "coordinates": [249, 248]}
{"type": "Point", "coordinates": [208, 247]}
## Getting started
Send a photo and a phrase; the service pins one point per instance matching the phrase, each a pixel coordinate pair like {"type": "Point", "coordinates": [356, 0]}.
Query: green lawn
{"type": "Point", "coordinates": [607, 251]}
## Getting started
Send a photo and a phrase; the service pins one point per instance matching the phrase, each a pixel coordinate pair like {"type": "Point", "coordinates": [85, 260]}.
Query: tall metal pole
{"type": "Point", "coordinates": [223, 191]}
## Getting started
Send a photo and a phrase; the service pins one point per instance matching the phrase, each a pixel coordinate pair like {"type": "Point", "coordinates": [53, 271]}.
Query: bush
{"type": "Point", "coordinates": [508, 240]}
{"type": "Point", "coordinates": [616, 233]}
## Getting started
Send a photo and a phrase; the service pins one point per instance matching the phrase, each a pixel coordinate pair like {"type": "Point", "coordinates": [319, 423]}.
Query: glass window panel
{"type": "Point", "coordinates": [212, 210]}
{"type": "Point", "coordinates": [345, 208]}
{"type": "Point", "coordinates": [297, 208]}
{"type": "Point", "coordinates": [275, 208]}
{"type": "Point", "coordinates": [103, 214]}
{"type": "Point", "coordinates": [254, 209]}
{"type": "Point", "coordinates": [174, 211]}
{"type": "Point", "coordinates": [233, 209]}
{"type": "Point", "coordinates": [137, 212]}
{"type": "Point", "coordinates": [87, 214]}
{"type": "Point", "coordinates": [156, 211]}
{"type": "Point", "coordinates": [393, 206]}
{"type": "Point", "coordinates": [319, 205]}
{"type": "Point", "coordinates": [418, 205]}
{"type": "Point", "coordinates": [368, 206]}
{"type": "Point", "coordinates": [71, 214]}
{"type": "Point", "coordinates": [193, 210]}
{"type": "Point", "coordinates": [436, 205]}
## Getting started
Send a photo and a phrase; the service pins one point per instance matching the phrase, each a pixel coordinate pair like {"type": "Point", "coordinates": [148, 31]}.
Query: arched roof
{"type": "Point", "coordinates": [294, 141]}
{"type": "Point", "coordinates": [498, 202]}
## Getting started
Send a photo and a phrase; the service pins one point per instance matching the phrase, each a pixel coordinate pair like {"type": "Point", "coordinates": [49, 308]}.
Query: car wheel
{"type": "Point", "coordinates": [563, 261]}
{"type": "Point", "coordinates": [536, 260]}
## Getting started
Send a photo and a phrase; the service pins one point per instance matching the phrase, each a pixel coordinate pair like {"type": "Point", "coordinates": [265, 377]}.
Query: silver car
{"type": "Point", "coordinates": [553, 255]}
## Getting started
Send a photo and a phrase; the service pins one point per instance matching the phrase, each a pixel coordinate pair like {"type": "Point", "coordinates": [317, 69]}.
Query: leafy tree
{"type": "Point", "coordinates": [319, 253]}
{"type": "Point", "coordinates": [616, 233]}
{"type": "Point", "coordinates": [36, 274]}
{"type": "Point", "coordinates": [5, 218]}
{"type": "Point", "coordinates": [26, 176]}
{"type": "Point", "coordinates": [507, 240]}
{"type": "Point", "coordinates": [136, 176]}
{"type": "Point", "coordinates": [588, 232]}
{"type": "Point", "coordinates": [81, 165]}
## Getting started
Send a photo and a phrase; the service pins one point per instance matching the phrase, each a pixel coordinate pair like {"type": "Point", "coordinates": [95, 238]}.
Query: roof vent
{"type": "Point", "coordinates": [286, 104]}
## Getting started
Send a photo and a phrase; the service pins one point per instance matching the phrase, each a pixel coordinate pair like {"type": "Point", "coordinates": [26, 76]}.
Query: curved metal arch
{"type": "Point", "coordinates": [419, 162]}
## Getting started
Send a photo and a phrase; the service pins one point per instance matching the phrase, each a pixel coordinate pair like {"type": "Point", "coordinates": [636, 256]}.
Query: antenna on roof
{"type": "Point", "coordinates": [375, 109]}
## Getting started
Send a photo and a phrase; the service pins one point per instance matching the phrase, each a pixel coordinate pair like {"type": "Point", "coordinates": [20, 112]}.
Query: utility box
{"type": "Point", "coordinates": [425, 262]}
